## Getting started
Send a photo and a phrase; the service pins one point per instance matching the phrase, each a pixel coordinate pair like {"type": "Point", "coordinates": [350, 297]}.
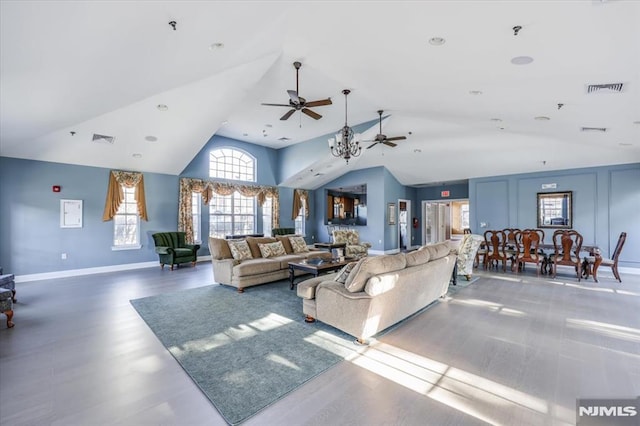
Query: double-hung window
{"type": "Point", "coordinates": [126, 222]}
{"type": "Point", "coordinates": [300, 221]}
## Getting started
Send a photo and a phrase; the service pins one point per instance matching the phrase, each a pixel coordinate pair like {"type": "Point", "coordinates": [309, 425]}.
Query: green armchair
{"type": "Point", "coordinates": [173, 250]}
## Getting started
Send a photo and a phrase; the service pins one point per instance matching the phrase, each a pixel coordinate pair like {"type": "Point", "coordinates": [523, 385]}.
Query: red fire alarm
{"type": "Point", "coordinates": [56, 188]}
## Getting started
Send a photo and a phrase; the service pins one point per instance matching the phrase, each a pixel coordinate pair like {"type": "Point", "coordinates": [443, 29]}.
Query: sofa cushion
{"type": "Point", "coordinates": [253, 244]}
{"type": "Point", "coordinates": [370, 266]}
{"type": "Point", "coordinates": [438, 250]}
{"type": "Point", "coordinates": [240, 250]}
{"type": "Point", "coordinates": [271, 249]}
{"type": "Point", "coordinates": [284, 239]}
{"type": "Point", "coordinates": [417, 257]}
{"type": "Point", "coordinates": [298, 244]}
{"type": "Point", "coordinates": [256, 267]}
{"type": "Point", "coordinates": [342, 276]}
{"type": "Point", "coordinates": [219, 249]}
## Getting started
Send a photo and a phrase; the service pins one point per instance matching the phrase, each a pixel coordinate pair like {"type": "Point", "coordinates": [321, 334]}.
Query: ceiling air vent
{"type": "Point", "coordinates": [605, 88]}
{"type": "Point", "coordinates": [103, 139]}
{"type": "Point", "coordinates": [593, 129]}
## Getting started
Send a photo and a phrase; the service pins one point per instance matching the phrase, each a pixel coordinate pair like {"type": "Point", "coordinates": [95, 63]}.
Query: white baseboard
{"type": "Point", "coordinates": [90, 271]}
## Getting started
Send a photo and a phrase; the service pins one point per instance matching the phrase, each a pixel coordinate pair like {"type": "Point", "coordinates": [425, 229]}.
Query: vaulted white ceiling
{"type": "Point", "coordinates": [104, 67]}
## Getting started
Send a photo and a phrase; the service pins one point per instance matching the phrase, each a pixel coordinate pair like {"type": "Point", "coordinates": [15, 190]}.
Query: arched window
{"type": "Point", "coordinates": [232, 214]}
{"type": "Point", "coordinates": [230, 163]}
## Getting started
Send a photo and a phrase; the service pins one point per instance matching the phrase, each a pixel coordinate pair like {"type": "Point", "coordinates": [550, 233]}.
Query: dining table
{"type": "Point", "coordinates": [592, 250]}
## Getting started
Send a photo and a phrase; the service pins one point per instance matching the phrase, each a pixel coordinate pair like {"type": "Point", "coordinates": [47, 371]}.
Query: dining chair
{"type": "Point", "coordinates": [613, 262]}
{"type": "Point", "coordinates": [527, 251]}
{"type": "Point", "coordinates": [495, 245]}
{"type": "Point", "coordinates": [566, 250]}
{"type": "Point", "coordinates": [510, 244]}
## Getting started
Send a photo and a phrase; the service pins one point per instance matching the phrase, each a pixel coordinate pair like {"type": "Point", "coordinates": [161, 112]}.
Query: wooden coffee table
{"type": "Point", "coordinates": [315, 270]}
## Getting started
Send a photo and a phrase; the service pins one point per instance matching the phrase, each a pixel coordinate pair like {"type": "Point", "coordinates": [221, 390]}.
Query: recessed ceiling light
{"type": "Point", "coordinates": [151, 138]}
{"type": "Point", "coordinates": [268, 125]}
{"type": "Point", "coordinates": [496, 119]}
{"type": "Point", "coordinates": [225, 122]}
{"type": "Point", "coordinates": [136, 155]}
{"type": "Point", "coordinates": [475, 92]}
{"type": "Point", "coordinates": [162, 107]}
{"type": "Point", "coordinates": [542, 118]}
{"type": "Point", "coordinates": [522, 60]}
{"type": "Point", "coordinates": [216, 46]}
{"type": "Point", "coordinates": [437, 41]}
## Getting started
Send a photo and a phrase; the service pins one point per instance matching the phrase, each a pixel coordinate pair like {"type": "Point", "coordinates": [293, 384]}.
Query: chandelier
{"type": "Point", "coordinates": [346, 143]}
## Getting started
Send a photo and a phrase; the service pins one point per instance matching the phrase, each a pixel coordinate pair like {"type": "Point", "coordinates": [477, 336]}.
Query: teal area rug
{"type": "Point", "coordinates": [244, 351]}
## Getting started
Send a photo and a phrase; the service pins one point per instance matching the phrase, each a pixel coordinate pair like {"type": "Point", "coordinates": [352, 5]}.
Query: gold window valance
{"type": "Point", "coordinates": [298, 196]}
{"type": "Point", "coordinates": [115, 195]}
{"type": "Point", "coordinates": [206, 189]}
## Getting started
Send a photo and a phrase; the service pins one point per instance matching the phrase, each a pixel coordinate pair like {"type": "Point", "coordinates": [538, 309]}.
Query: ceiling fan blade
{"type": "Point", "coordinates": [391, 144]}
{"type": "Point", "coordinates": [372, 145]}
{"type": "Point", "coordinates": [294, 96]}
{"type": "Point", "coordinates": [397, 138]}
{"type": "Point", "coordinates": [288, 114]}
{"type": "Point", "coordinates": [318, 103]}
{"type": "Point", "coordinates": [287, 105]}
{"type": "Point", "coordinates": [311, 113]}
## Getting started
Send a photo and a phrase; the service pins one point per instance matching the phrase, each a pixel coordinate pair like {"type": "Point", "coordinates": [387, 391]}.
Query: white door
{"type": "Point", "coordinates": [404, 226]}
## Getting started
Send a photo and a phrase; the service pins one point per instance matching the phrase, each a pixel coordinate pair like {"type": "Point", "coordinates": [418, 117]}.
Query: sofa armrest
{"type": "Point", "coordinates": [194, 247]}
{"type": "Point", "coordinates": [164, 250]}
{"type": "Point", "coordinates": [307, 288]}
{"type": "Point", "coordinates": [339, 288]}
{"type": "Point", "coordinates": [367, 245]}
{"type": "Point", "coordinates": [223, 270]}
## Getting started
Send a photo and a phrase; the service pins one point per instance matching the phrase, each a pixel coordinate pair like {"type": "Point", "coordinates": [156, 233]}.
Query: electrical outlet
{"type": "Point", "coordinates": [63, 256]}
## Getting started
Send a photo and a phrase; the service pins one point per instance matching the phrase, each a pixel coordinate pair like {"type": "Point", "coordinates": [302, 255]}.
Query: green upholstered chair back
{"type": "Point", "coordinates": [169, 239]}
{"type": "Point", "coordinates": [282, 231]}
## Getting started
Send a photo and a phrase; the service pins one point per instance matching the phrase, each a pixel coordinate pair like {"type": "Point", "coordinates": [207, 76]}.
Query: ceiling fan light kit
{"type": "Point", "coordinates": [345, 144]}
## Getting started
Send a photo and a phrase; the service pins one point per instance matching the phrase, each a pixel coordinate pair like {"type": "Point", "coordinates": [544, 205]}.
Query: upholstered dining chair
{"type": "Point", "coordinates": [566, 246]}
{"type": "Point", "coordinates": [613, 262]}
{"type": "Point", "coordinates": [495, 242]}
{"type": "Point", "coordinates": [527, 243]}
{"type": "Point", "coordinates": [466, 252]}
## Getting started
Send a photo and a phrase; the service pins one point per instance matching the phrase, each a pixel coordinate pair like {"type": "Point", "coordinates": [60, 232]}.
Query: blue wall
{"type": "Point", "coordinates": [31, 240]}
{"type": "Point", "coordinates": [606, 201]}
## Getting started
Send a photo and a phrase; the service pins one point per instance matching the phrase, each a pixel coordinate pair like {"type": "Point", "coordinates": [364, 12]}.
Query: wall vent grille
{"type": "Point", "coordinates": [605, 88]}
{"type": "Point", "coordinates": [593, 129]}
{"type": "Point", "coordinates": [103, 139]}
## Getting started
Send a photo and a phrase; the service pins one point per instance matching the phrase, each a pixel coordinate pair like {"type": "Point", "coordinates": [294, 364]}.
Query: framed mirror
{"type": "Point", "coordinates": [555, 210]}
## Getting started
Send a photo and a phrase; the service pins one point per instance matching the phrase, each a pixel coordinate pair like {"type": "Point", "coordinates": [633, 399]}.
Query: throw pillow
{"type": "Point", "coordinates": [272, 249]}
{"type": "Point", "coordinates": [298, 244]}
{"type": "Point", "coordinates": [344, 272]}
{"type": "Point", "coordinates": [240, 250]}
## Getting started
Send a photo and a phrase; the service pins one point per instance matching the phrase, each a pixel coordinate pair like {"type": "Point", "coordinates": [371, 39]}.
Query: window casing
{"type": "Point", "coordinates": [126, 222]}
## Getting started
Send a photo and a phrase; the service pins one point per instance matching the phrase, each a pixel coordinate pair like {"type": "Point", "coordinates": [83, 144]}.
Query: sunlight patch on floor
{"type": "Point", "coordinates": [282, 361]}
{"type": "Point", "coordinates": [605, 329]}
{"type": "Point", "coordinates": [472, 394]}
{"type": "Point", "coordinates": [344, 349]}
{"type": "Point", "coordinates": [232, 334]}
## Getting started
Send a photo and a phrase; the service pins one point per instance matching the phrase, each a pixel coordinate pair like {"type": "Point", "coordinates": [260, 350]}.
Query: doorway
{"type": "Point", "coordinates": [404, 228]}
{"type": "Point", "coordinates": [444, 220]}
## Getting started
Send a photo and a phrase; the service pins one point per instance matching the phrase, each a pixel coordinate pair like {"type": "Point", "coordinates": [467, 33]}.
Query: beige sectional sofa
{"type": "Point", "coordinates": [379, 291]}
{"type": "Point", "coordinates": [257, 269]}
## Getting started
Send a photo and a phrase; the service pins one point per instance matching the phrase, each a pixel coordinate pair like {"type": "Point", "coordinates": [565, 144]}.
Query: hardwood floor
{"type": "Point", "coordinates": [508, 349]}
